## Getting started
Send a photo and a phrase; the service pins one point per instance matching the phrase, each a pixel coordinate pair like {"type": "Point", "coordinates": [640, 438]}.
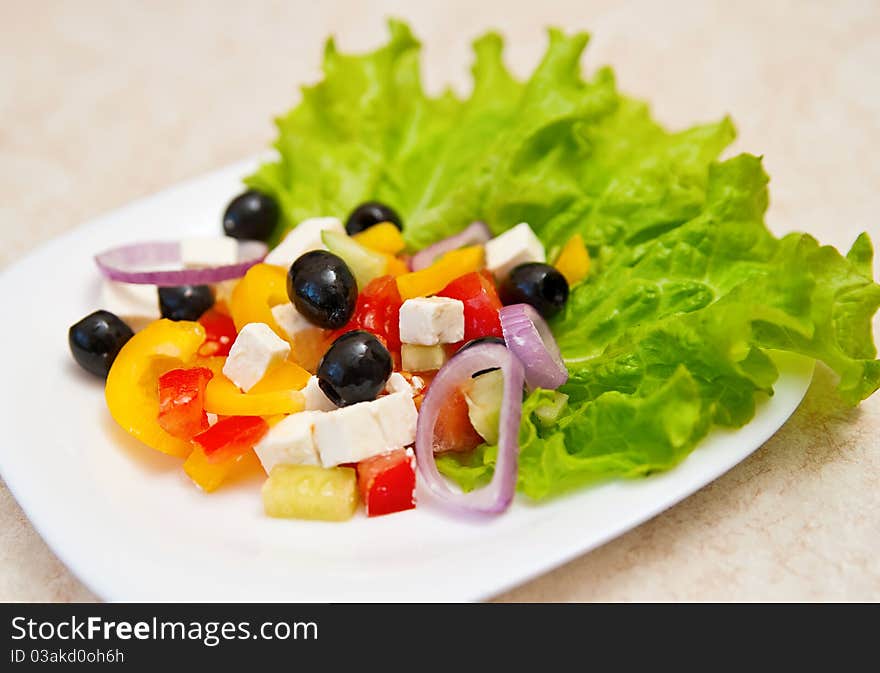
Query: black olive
{"type": "Point", "coordinates": [370, 213]}
{"type": "Point", "coordinates": [354, 369]}
{"type": "Point", "coordinates": [482, 340]}
{"type": "Point", "coordinates": [322, 288]}
{"type": "Point", "coordinates": [96, 340]}
{"type": "Point", "coordinates": [251, 215]}
{"type": "Point", "coordinates": [537, 284]}
{"type": "Point", "coordinates": [187, 302]}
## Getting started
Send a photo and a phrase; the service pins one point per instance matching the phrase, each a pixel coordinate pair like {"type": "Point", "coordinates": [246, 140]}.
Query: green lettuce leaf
{"type": "Point", "coordinates": [689, 294]}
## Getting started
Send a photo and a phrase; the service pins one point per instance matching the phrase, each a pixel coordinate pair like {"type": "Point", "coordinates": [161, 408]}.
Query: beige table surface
{"type": "Point", "coordinates": [105, 101]}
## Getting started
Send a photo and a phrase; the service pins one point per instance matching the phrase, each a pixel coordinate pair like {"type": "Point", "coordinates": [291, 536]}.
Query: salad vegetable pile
{"type": "Point", "coordinates": [530, 288]}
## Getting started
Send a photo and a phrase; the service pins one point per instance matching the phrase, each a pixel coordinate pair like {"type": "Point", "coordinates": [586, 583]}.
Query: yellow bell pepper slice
{"type": "Point", "coordinates": [434, 278]}
{"type": "Point", "coordinates": [209, 476]}
{"type": "Point", "coordinates": [285, 375]}
{"type": "Point", "coordinates": [224, 398]}
{"type": "Point", "coordinates": [574, 260]}
{"type": "Point", "coordinates": [309, 346]}
{"type": "Point", "coordinates": [382, 237]}
{"type": "Point", "coordinates": [396, 267]}
{"type": "Point", "coordinates": [262, 287]}
{"type": "Point", "coordinates": [132, 389]}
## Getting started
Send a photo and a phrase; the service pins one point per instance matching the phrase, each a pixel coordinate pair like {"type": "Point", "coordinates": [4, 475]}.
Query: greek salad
{"type": "Point", "coordinates": [533, 288]}
{"type": "Point", "coordinates": [337, 362]}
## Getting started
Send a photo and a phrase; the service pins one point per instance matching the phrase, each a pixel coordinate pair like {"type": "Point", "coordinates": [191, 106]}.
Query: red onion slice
{"type": "Point", "coordinates": [142, 264]}
{"type": "Point", "coordinates": [497, 495]}
{"type": "Point", "coordinates": [528, 336]}
{"type": "Point", "coordinates": [474, 234]}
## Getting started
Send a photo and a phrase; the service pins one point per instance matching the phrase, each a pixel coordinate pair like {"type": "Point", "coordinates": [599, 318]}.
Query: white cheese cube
{"type": "Point", "coordinates": [315, 399]}
{"type": "Point", "coordinates": [136, 305]}
{"type": "Point", "coordinates": [255, 350]}
{"type": "Point", "coordinates": [289, 442]}
{"type": "Point", "coordinates": [198, 253]}
{"type": "Point", "coordinates": [348, 435]}
{"type": "Point", "coordinates": [212, 418]}
{"type": "Point", "coordinates": [514, 247]}
{"type": "Point", "coordinates": [397, 414]}
{"type": "Point", "coordinates": [415, 358]}
{"type": "Point", "coordinates": [398, 384]}
{"type": "Point", "coordinates": [306, 236]}
{"type": "Point", "coordinates": [355, 433]}
{"type": "Point", "coordinates": [428, 321]}
{"type": "Point", "coordinates": [290, 320]}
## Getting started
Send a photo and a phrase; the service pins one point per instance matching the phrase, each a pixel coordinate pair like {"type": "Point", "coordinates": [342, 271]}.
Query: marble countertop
{"type": "Point", "coordinates": [102, 102]}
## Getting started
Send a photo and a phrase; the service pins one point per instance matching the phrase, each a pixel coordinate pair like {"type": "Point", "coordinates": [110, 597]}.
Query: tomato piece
{"type": "Point", "coordinates": [387, 482]}
{"type": "Point", "coordinates": [182, 401]}
{"type": "Point", "coordinates": [454, 431]}
{"type": "Point", "coordinates": [231, 436]}
{"type": "Point", "coordinates": [378, 312]}
{"type": "Point", "coordinates": [220, 333]}
{"type": "Point", "coordinates": [481, 304]}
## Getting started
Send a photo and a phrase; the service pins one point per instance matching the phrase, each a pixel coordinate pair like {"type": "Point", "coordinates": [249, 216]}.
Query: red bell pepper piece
{"type": "Point", "coordinates": [378, 311]}
{"type": "Point", "coordinates": [481, 304]}
{"type": "Point", "coordinates": [231, 436]}
{"type": "Point", "coordinates": [182, 401]}
{"type": "Point", "coordinates": [387, 482]}
{"type": "Point", "coordinates": [220, 333]}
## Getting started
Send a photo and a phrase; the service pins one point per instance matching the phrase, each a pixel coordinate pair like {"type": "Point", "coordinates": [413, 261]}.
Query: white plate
{"type": "Point", "coordinates": [129, 524]}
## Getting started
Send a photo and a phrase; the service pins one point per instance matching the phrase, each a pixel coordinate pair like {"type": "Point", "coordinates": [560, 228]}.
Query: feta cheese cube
{"type": "Point", "coordinates": [514, 247]}
{"type": "Point", "coordinates": [352, 434]}
{"type": "Point", "coordinates": [306, 236]}
{"type": "Point", "coordinates": [398, 416]}
{"type": "Point", "coordinates": [212, 418]}
{"type": "Point", "coordinates": [136, 305]}
{"type": "Point", "coordinates": [348, 435]}
{"type": "Point", "coordinates": [428, 321]}
{"type": "Point", "coordinates": [415, 358]}
{"type": "Point", "coordinates": [290, 320]}
{"type": "Point", "coordinates": [255, 350]}
{"type": "Point", "coordinates": [398, 384]}
{"type": "Point", "coordinates": [289, 442]}
{"type": "Point", "coordinates": [315, 398]}
{"type": "Point", "coordinates": [198, 253]}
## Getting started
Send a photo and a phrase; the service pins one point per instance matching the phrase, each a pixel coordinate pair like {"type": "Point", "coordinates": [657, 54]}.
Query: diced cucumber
{"type": "Point", "coordinates": [547, 414]}
{"type": "Point", "coordinates": [311, 492]}
{"type": "Point", "coordinates": [415, 358]}
{"type": "Point", "coordinates": [364, 263]}
{"type": "Point", "coordinates": [483, 398]}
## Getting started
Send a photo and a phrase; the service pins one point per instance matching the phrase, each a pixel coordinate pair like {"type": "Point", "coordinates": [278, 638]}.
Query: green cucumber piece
{"type": "Point", "coordinates": [548, 413]}
{"type": "Point", "coordinates": [483, 398]}
{"type": "Point", "coordinates": [364, 263]}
